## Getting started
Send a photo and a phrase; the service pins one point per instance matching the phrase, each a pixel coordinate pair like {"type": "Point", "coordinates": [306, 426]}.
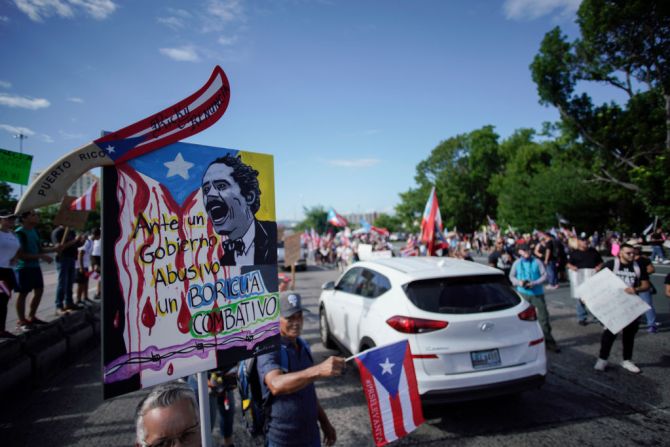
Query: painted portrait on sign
{"type": "Point", "coordinates": [190, 269]}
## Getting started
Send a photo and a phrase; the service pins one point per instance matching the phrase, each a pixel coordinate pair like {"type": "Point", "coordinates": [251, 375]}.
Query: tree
{"type": "Point", "coordinates": [461, 169]}
{"type": "Point", "coordinates": [315, 217]}
{"type": "Point", "coordinates": [543, 179]}
{"type": "Point", "coordinates": [7, 201]}
{"type": "Point", "coordinates": [624, 45]}
{"type": "Point", "coordinates": [391, 223]}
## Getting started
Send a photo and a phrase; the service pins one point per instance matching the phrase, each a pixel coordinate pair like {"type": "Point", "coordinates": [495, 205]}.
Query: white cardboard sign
{"type": "Point", "coordinates": [604, 296]}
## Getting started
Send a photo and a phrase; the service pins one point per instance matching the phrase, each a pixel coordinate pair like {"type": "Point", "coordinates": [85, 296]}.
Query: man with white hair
{"type": "Point", "coordinates": [167, 415]}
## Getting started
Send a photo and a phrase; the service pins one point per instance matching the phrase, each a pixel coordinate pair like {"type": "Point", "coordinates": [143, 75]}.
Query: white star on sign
{"type": "Point", "coordinates": [178, 166]}
{"type": "Point", "coordinates": [386, 367]}
{"type": "Point", "coordinates": [110, 149]}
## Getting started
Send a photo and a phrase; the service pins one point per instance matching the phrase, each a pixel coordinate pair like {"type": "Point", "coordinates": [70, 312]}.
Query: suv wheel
{"type": "Point", "coordinates": [324, 331]}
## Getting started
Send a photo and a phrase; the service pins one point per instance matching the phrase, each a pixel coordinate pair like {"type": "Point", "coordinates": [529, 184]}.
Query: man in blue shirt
{"type": "Point", "coordinates": [293, 409]}
{"type": "Point", "coordinates": [528, 274]}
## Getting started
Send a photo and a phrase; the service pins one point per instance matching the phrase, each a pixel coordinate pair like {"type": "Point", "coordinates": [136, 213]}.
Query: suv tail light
{"type": "Point", "coordinates": [409, 325]}
{"type": "Point", "coordinates": [528, 314]}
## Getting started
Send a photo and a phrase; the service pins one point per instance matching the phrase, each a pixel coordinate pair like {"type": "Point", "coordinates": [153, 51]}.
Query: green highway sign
{"type": "Point", "coordinates": [15, 167]}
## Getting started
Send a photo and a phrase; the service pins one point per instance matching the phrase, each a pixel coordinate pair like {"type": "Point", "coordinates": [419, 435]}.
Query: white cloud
{"type": "Point", "coordinates": [5, 84]}
{"type": "Point", "coordinates": [71, 136]}
{"type": "Point", "coordinates": [15, 130]}
{"type": "Point", "coordinates": [38, 10]}
{"type": "Point", "coordinates": [98, 9]}
{"type": "Point", "coordinates": [181, 54]}
{"type": "Point", "coordinates": [356, 163]}
{"type": "Point", "coordinates": [172, 22]}
{"type": "Point", "coordinates": [533, 9]}
{"type": "Point", "coordinates": [46, 138]}
{"type": "Point", "coordinates": [226, 10]}
{"type": "Point", "coordinates": [226, 41]}
{"type": "Point", "coordinates": [75, 100]}
{"type": "Point", "coordinates": [4, 19]}
{"type": "Point", "coordinates": [23, 102]}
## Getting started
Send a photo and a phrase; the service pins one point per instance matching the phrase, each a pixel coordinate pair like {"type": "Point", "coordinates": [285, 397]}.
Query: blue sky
{"type": "Point", "coordinates": [347, 95]}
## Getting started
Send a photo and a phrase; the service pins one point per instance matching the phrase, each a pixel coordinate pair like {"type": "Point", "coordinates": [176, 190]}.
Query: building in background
{"type": "Point", "coordinates": [355, 218]}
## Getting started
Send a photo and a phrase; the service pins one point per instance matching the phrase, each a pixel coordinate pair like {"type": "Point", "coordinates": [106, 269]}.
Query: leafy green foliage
{"type": "Point", "coordinates": [624, 45]}
{"type": "Point", "coordinates": [391, 223]}
{"type": "Point", "coordinates": [315, 217]}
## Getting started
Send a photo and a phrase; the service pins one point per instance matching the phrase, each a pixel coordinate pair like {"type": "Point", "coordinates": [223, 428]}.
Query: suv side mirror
{"type": "Point", "coordinates": [330, 285]}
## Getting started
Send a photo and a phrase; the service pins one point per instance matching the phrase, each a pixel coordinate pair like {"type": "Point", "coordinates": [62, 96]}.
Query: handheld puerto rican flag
{"type": "Point", "coordinates": [335, 219]}
{"type": "Point", "coordinates": [431, 222]}
{"type": "Point", "coordinates": [87, 201]}
{"type": "Point", "coordinates": [389, 384]}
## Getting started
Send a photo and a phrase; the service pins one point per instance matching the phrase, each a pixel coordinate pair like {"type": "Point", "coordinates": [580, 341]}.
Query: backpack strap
{"type": "Point", "coordinates": [617, 265]}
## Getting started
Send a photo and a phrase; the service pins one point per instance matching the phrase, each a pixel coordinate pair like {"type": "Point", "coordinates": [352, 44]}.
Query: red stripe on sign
{"type": "Point", "coordinates": [410, 373]}
{"type": "Point", "coordinates": [180, 120]}
{"type": "Point", "coordinates": [398, 422]}
{"type": "Point", "coordinates": [376, 423]}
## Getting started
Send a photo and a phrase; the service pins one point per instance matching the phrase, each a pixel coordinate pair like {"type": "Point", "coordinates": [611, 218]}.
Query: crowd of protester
{"type": "Point", "coordinates": [77, 257]}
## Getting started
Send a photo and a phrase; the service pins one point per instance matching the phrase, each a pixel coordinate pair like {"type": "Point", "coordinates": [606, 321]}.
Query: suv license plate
{"type": "Point", "coordinates": [485, 359]}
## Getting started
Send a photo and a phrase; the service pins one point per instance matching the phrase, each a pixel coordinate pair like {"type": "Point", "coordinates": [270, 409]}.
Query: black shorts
{"type": "Point", "coordinates": [30, 278]}
{"type": "Point", "coordinates": [9, 278]}
{"type": "Point", "coordinates": [81, 277]}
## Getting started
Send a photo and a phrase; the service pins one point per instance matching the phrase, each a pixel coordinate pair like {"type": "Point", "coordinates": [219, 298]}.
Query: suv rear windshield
{"type": "Point", "coordinates": [462, 295]}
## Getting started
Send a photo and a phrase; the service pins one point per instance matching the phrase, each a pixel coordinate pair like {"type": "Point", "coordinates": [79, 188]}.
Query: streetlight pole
{"type": "Point", "coordinates": [21, 137]}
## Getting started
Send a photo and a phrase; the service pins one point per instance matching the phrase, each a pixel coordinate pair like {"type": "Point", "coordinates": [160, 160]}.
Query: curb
{"type": "Point", "coordinates": [34, 357]}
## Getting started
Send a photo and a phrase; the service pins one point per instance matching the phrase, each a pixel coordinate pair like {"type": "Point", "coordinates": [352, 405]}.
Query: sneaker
{"type": "Point", "coordinates": [652, 329]}
{"type": "Point", "coordinates": [666, 262]}
{"type": "Point", "coordinates": [74, 307]}
{"type": "Point", "coordinates": [600, 365]}
{"type": "Point", "coordinates": [583, 322]}
{"type": "Point", "coordinates": [60, 311]}
{"type": "Point", "coordinates": [37, 322]}
{"type": "Point", "coordinates": [630, 366]}
{"type": "Point", "coordinates": [24, 326]}
{"type": "Point", "coordinates": [7, 335]}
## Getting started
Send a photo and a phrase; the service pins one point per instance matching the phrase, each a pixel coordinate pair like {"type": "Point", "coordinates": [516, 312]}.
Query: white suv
{"type": "Point", "coordinates": [471, 334]}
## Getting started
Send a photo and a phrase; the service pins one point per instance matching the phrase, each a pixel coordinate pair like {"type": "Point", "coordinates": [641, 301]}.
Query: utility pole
{"type": "Point", "coordinates": [21, 137]}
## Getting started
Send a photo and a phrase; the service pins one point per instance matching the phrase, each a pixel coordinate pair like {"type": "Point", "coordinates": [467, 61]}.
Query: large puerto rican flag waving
{"type": "Point", "coordinates": [431, 222]}
{"type": "Point", "coordinates": [389, 384]}
{"type": "Point", "coordinates": [335, 219]}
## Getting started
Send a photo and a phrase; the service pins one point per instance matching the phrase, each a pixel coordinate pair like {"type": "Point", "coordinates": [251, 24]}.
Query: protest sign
{"type": "Point", "coordinates": [189, 263]}
{"type": "Point", "coordinates": [68, 217]}
{"type": "Point", "coordinates": [604, 296]}
{"type": "Point", "coordinates": [183, 119]}
{"type": "Point", "coordinates": [15, 167]}
{"type": "Point", "coordinates": [365, 253]}
{"type": "Point", "coordinates": [291, 249]}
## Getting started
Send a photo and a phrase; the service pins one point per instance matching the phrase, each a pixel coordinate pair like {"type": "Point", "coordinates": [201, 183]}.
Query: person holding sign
{"type": "Point", "coordinates": [582, 264]}
{"type": "Point", "coordinates": [289, 390]}
{"type": "Point", "coordinates": [232, 197]}
{"type": "Point", "coordinates": [636, 280]}
{"type": "Point", "coordinates": [166, 416]}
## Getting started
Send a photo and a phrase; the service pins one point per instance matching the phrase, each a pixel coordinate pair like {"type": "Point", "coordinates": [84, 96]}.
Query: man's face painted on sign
{"type": "Point", "coordinates": [227, 208]}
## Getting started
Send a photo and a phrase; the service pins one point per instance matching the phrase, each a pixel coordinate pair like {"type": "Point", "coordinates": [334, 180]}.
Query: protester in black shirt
{"type": "Point", "coordinates": [584, 257]}
{"type": "Point", "coordinates": [501, 258]}
{"type": "Point", "coordinates": [636, 280]}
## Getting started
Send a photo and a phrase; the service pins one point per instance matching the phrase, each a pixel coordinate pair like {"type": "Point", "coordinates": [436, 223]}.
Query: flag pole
{"type": "Point", "coordinates": [203, 401]}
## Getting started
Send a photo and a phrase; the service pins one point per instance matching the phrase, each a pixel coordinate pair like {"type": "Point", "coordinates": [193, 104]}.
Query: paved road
{"type": "Point", "coordinates": [577, 405]}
